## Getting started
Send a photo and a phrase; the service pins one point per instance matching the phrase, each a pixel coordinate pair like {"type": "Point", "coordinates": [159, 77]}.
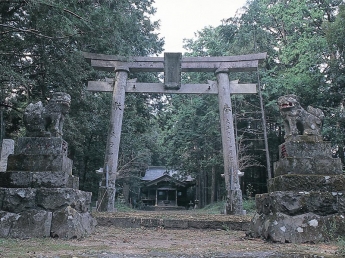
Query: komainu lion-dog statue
{"type": "Point", "coordinates": [47, 121]}
{"type": "Point", "coordinates": [297, 120]}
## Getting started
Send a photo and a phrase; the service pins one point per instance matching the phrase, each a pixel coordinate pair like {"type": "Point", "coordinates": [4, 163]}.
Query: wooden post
{"type": "Point", "coordinates": [234, 195]}
{"type": "Point", "coordinates": [106, 194]}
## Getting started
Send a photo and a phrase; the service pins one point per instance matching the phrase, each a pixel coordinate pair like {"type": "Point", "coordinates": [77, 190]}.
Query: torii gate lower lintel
{"type": "Point", "coordinates": [221, 66]}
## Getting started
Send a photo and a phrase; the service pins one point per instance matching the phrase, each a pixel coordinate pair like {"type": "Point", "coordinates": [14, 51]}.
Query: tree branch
{"type": "Point", "coordinates": [35, 32]}
{"type": "Point", "coordinates": [12, 107]}
{"type": "Point", "coordinates": [65, 10]}
{"type": "Point", "coordinates": [246, 160]}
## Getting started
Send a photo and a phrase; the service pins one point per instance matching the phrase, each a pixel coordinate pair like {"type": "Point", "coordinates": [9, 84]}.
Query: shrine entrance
{"type": "Point", "coordinates": [172, 65]}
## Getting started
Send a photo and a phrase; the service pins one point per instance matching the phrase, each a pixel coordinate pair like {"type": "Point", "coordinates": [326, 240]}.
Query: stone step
{"type": "Point", "coordinates": [168, 223]}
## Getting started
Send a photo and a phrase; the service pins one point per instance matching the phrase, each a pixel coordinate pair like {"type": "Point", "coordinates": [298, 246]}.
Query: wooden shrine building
{"type": "Point", "coordinates": [165, 188]}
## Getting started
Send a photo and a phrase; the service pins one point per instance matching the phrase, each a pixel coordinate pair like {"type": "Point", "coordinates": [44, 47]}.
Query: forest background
{"type": "Point", "coordinates": [41, 45]}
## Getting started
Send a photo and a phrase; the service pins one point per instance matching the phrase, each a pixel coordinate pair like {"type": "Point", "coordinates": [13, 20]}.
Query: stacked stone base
{"type": "Point", "coordinates": [299, 217]}
{"type": "Point", "coordinates": [304, 228]}
{"type": "Point", "coordinates": [45, 212]}
{"type": "Point", "coordinates": [39, 195]}
{"type": "Point", "coordinates": [306, 201]}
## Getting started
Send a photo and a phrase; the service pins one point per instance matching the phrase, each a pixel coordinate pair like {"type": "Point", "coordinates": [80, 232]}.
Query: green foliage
{"type": "Point", "coordinates": [209, 43]}
{"type": "Point", "coordinates": [20, 248]}
{"type": "Point", "coordinates": [192, 137]}
{"type": "Point", "coordinates": [341, 246]}
{"type": "Point", "coordinates": [190, 140]}
{"type": "Point", "coordinates": [304, 41]}
{"type": "Point", "coordinates": [218, 207]}
{"type": "Point", "coordinates": [331, 231]}
{"type": "Point", "coordinates": [334, 72]}
{"type": "Point", "coordinates": [249, 191]}
{"type": "Point", "coordinates": [296, 46]}
{"type": "Point", "coordinates": [213, 208]}
{"type": "Point", "coordinates": [121, 205]}
{"type": "Point", "coordinates": [41, 44]}
{"type": "Point", "coordinates": [249, 205]}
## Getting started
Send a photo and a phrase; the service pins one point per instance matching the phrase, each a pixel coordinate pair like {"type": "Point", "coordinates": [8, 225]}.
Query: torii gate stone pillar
{"type": "Point", "coordinates": [232, 185]}
{"type": "Point", "coordinates": [172, 65]}
{"type": "Point", "coordinates": [106, 192]}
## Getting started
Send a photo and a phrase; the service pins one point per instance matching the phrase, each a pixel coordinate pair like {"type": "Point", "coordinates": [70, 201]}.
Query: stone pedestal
{"type": "Point", "coordinates": [306, 198]}
{"type": "Point", "coordinates": [38, 187]}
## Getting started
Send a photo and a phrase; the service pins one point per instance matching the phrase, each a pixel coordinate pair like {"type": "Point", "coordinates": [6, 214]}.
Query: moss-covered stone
{"type": "Point", "coordinates": [308, 166]}
{"type": "Point", "coordinates": [305, 149]}
{"type": "Point", "coordinates": [295, 203]}
{"type": "Point", "coordinates": [304, 228]}
{"type": "Point", "coordinates": [293, 182]}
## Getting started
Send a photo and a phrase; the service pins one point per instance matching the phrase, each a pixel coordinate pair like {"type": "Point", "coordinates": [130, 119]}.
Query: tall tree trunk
{"type": "Point", "coordinates": [125, 192]}
{"type": "Point", "coordinates": [205, 189]}
{"type": "Point", "coordinates": [341, 154]}
{"type": "Point", "coordinates": [197, 191]}
{"type": "Point", "coordinates": [202, 185]}
{"type": "Point", "coordinates": [213, 185]}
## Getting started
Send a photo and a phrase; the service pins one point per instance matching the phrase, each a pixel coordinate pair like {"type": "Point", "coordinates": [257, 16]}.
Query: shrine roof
{"type": "Point", "coordinates": [155, 172]}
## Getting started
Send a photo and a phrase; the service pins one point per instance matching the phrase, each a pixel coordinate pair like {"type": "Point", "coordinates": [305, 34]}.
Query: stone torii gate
{"type": "Point", "coordinates": [172, 65]}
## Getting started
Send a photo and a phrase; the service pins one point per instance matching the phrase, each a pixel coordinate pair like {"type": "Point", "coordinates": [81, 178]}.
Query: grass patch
{"type": "Point", "coordinates": [26, 248]}
{"type": "Point", "coordinates": [122, 207]}
{"type": "Point", "coordinates": [213, 208]}
{"type": "Point", "coordinates": [341, 246]}
{"type": "Point", "coordinates": [44, 247]}
{"type": "Point", "coordinates": [218, 207]}
{"type": "Point", "coordinates": [249, 205]}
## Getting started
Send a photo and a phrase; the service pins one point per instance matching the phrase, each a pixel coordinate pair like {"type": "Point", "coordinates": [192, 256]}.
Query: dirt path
{"type": "Point", "coordinates": [111, 242]}
{"type": "Point", "coordinates": [201, 243]}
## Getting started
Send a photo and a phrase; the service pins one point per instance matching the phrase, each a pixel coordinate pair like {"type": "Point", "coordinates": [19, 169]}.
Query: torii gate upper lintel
{"type": "Point", "coordinates": [175, 64]}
